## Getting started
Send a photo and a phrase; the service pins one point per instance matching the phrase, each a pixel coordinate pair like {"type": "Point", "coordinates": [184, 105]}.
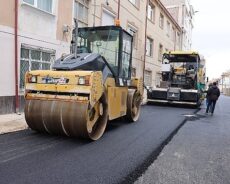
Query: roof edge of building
{"type": "Point", "coordinates": [169, 14]}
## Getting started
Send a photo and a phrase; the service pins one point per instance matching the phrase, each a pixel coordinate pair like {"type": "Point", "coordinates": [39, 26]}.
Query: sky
{"type": "Point", "coordinates": [211, 34]}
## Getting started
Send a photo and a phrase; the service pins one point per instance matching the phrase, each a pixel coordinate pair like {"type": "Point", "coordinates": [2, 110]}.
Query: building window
{"type": "Point", "coordinates": [151, 12]}
{"type": "Point", "coordinates": [148, 78]}
{"type": "Point", "coordinates": [108, 18]}
{"type": "Point", "coordinates": [81, 12]}
{"type": "Point", "coordinates": [135, 2]}
{"type": "Point", "coordinates": [161, 21]}
{"type": "Point", "coordinates": [168, 28]}
{"type": "Point", "coordinates": [160, 53]}
{"type": "Point", "coordinates": [158, 79]}
{"type": "Point", "coordinates": [29, 1]}
{"type": "Point", "coordinates": [173, 34]}
{"type": "Point", "coordinates": [45, 5]}
{"type": "Point", "coordinates": [149, 47]}
{"type": "Point", "coordinates": [32, 59]}
{"type": "Point", "coordinates": [133, 31]}
{"type": "Point", "coordinates": [133, 72]}
{"type": "Point", "coordinates": [178, 38]}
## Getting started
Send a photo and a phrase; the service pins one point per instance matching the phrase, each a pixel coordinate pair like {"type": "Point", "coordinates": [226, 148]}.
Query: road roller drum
{"type": "Point", "coordinates": [74, 119]}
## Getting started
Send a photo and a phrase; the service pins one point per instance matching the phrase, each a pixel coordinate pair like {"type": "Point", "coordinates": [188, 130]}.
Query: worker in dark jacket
{"type": "Point", "coordinates": [207, 97]}
{"type": "Point", "coordinates": [212, 95]}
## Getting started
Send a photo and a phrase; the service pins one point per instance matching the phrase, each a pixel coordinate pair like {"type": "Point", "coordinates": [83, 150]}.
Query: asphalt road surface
{"type": "Point", "coordinates": [198, 154]}
{"type": "Point", "coordinates": [118, 157]}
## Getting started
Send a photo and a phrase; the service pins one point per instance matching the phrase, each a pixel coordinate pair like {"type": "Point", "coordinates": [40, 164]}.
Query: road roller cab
{"type": "Point", "coordinates": [86, 88]}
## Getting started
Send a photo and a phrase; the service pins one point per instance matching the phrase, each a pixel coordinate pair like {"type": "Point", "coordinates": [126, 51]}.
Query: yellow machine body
{"type": "Point", "coordinates": [49, 107]}
{"type": "Point", "coordinates": [91, 93]}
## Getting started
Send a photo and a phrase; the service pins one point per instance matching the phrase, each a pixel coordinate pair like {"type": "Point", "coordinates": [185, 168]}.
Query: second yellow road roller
{"type": "Point", "coordinates": [87, 88]}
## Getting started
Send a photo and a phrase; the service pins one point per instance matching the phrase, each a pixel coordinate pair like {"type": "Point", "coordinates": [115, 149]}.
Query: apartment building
{"type": "Point", "coordinates": [40, 38]}
{"type": "Point", "coordinates": [224, 83]}
{"type": "Point", "coordinates": [33, 33]}
{"type": "Point", "coordinates": [163, 34]}
{"type": "Point", "coordinates": [183, 12]}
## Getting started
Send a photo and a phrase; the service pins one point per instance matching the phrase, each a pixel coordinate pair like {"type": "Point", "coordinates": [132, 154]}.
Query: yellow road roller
{"type": "Point", "coordinates": [87, 88]}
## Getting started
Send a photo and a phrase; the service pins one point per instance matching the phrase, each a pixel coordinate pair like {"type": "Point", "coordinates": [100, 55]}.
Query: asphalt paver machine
{"type": "Point", "coordinates": [182, 79]}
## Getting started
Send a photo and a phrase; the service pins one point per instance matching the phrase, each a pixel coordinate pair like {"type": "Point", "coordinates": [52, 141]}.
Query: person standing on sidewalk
{"type": "Point", "coordinates": [213, 95]}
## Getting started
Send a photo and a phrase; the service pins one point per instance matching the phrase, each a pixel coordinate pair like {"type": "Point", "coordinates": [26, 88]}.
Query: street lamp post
{"type": "Point", "coordinates": [222, 83]}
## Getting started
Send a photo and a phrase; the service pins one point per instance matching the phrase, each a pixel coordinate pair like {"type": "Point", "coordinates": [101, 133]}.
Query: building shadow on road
{"type": "Point", "coordinates": [184, 106]}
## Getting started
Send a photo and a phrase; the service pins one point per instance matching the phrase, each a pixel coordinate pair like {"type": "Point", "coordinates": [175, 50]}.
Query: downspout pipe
{"type": "Point", "coordinates": [146, 21]}
{"type": "Point", "coordinates": [118, 10]}
{"type": "Point", "coordinates": [175, 40]}
{"type": "Point", "coordinates": [117, 20]}
{"type": "Point", "coordinates": [183, 29]}
{"type": "Point", "coordinates": [94, 13]}
{"type": "Point", "coordinates": [16, 56]}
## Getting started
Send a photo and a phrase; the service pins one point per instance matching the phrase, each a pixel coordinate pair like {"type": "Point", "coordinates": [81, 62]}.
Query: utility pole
{"type": "Point", "coordinates": [16, 56]}
{"type": "Point", "coordinates": [222, 83]}
{"type": "Point", "coordinates": [146, 21]}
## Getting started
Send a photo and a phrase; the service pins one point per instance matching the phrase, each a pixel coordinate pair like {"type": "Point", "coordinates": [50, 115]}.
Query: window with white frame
{"type": "Point", "coordinates": [108, 18]}
{"type": "Point", "coordinates": [133, 31]}
{"type": "Point", "coordinates": [148, 78]}
{"type": "Point", "coordinates": [160, 52]}
{"type": "Point", "coordinates": [45, 5]}
{"type": "Point", "coordinates": [178, 38]}
{"type": "Point", "coordinates": [135, 2]}
{"type": "Point", "coordinates": [149, 47]}
{"type": "Point", "coordinates": [168, 28]}
{"type": "Point", "coordinates": [34, 59]}
{"type": "Point", "coordinates": [151, 12]}
{"type": "Point", "coordinates": [81, 12]}
{"type": "Point", "coordinates": [161, 21]}
{"type": "Point", "coordinates": [158, 79]}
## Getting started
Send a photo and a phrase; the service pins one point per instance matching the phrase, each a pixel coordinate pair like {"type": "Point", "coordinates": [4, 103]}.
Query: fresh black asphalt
{"type": "Point", "coordinates": [29, 157]}
{"type": "Point", "coordinates": [198, 153]}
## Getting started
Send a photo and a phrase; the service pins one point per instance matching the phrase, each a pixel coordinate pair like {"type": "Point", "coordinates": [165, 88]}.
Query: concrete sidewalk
{"type": "Point", "coordinates": [198, 153]}
{"type": "Point", "coordinates": [12, 123]}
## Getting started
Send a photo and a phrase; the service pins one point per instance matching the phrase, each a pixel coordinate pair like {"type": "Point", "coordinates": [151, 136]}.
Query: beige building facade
{"type": "Point", "coordinates": [165, 35]}
{"type": "Point", "coordinates": [43, 33]}
{"type": "Point", "coordinates": [183, 12]}
{"type": "Point", "coordinates": [38, 26]}
{"type": "Point", "coordinates": [154, 31]}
